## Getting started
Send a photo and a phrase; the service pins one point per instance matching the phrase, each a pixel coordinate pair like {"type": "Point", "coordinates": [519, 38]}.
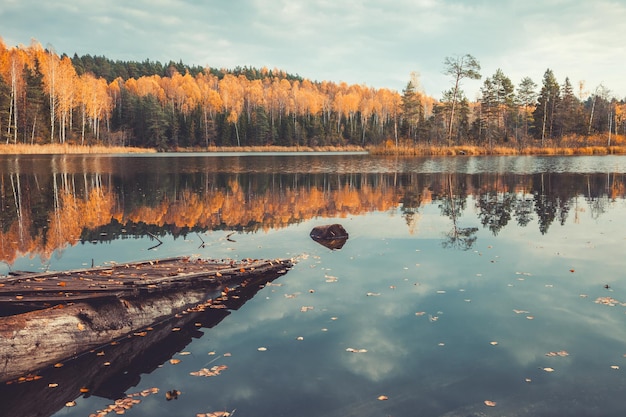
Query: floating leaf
{"type": "Point", "coordinates": [172, 395]}
{"type": "Point", "coordinates": [215, 414]}
{"type": "Point", "coordinates": [561, 353]}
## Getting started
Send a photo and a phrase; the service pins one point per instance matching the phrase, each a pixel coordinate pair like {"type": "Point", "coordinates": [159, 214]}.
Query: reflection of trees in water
{"type": "Point", "coordinates": [41, 213]}
{"type": "Point", "coordinates": [523, 210]}
{"type": "Point", "coordinates": [452, 204]}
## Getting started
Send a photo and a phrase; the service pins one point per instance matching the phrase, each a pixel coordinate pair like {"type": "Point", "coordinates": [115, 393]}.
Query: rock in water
{"type": "Point", "coordinates": [333, 236]}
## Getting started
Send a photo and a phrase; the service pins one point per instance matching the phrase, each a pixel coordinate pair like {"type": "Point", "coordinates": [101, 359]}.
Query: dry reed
{"type": "Point", "coordinates": [57, 148]}
{"type": "Point", "coordinates": [273, 148]}
{"type": "Point", "coordinates": [423, 150]}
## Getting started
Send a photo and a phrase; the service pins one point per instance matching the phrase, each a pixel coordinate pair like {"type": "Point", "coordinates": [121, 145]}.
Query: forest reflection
{"type": "Point", "coordinates": [44, 212]}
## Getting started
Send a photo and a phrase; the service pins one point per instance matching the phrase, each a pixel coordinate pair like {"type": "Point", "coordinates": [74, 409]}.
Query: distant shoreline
{"type": "Point", "coordinates": [403, 150]}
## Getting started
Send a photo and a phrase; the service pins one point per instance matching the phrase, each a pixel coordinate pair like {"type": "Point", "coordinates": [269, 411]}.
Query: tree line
{"type": "Point", "coordinates": [558, 114]}
{"type": "Point", "coordinates": [51, 98]}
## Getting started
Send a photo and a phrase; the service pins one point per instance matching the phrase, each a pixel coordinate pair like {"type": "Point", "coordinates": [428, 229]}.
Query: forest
{"type": "Point", "coordinates": [48, 98]}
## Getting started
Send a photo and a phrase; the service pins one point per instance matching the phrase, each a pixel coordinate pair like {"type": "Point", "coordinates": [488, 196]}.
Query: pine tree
{"type": "Point", "coordinates": [458, 68]}
{"type": "Point", "coordinates": [527, 98]}
{"type": "Point", "coordinates": [548, 102]}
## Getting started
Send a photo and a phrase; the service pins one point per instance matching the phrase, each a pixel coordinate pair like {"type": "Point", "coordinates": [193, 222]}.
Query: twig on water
{"type": "Point", "coordinates": [202, 245]}
{"type": "Point", "coordinates": [158, 240]}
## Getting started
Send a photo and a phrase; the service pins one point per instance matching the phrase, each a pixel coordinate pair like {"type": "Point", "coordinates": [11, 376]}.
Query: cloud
{"type": "Point", "coordinates": [360, 42]}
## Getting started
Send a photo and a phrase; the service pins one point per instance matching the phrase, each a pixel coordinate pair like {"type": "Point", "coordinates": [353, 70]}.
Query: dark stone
{"type": "Point", "coordinates": [333, 236]}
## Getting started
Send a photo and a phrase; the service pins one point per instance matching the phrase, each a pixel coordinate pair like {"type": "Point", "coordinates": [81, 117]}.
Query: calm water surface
{"type": "Point", "coordinates": [464, 280]}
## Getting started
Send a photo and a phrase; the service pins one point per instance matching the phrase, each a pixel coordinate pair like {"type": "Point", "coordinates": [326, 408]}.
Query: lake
{"type": "Point", "coordinates": [469, 286]}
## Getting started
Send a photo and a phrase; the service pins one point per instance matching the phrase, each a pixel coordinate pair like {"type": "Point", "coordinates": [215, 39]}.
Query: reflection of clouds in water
{"type": "Point", "coordinates": [383, 358]}
{"type": "Point", "coordinates": [400, 344]}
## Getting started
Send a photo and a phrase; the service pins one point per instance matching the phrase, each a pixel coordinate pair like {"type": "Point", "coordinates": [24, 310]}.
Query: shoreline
{"type": "Point", "coordinates": [402, 150]}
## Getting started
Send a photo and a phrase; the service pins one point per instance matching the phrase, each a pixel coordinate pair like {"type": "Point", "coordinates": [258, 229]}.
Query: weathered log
{"type": "Point", "coordinates": [110, 370]}
{"type": "Point", "coordinates": [132, 279]}
{"type": "Point", "coordinates": [333, 236]}
{"type": "Point", "coordinates": [35, 339]}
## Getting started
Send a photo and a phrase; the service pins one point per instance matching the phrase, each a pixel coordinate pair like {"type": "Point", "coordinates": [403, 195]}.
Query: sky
{"type": "Point", "coordinates": [373, 43]}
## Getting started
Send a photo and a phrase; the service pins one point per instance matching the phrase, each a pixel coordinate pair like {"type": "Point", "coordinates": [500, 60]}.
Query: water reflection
{"type": "Point", "coordinates": [43, 212]}
{"type": "Point", "coordinates": [544, 237]}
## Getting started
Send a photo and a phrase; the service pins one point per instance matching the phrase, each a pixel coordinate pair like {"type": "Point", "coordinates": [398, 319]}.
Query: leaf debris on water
{"type": "Point", "coordinates": [213, 371]}
{"type": "Point", "coordinates": [561, 353]}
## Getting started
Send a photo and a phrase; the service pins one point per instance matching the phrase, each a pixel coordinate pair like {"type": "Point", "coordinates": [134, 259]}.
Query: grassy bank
{"type": "Point", "coordinates": [348, 148]}
{"type": "Point", "coordinates": [402, 150]}
{"type": "Point", "coordinates": [477, 150]}
{"type": "Point", "coordinates": [57, 148]}
{"type": "Point", "coordinates": [21, 149]}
